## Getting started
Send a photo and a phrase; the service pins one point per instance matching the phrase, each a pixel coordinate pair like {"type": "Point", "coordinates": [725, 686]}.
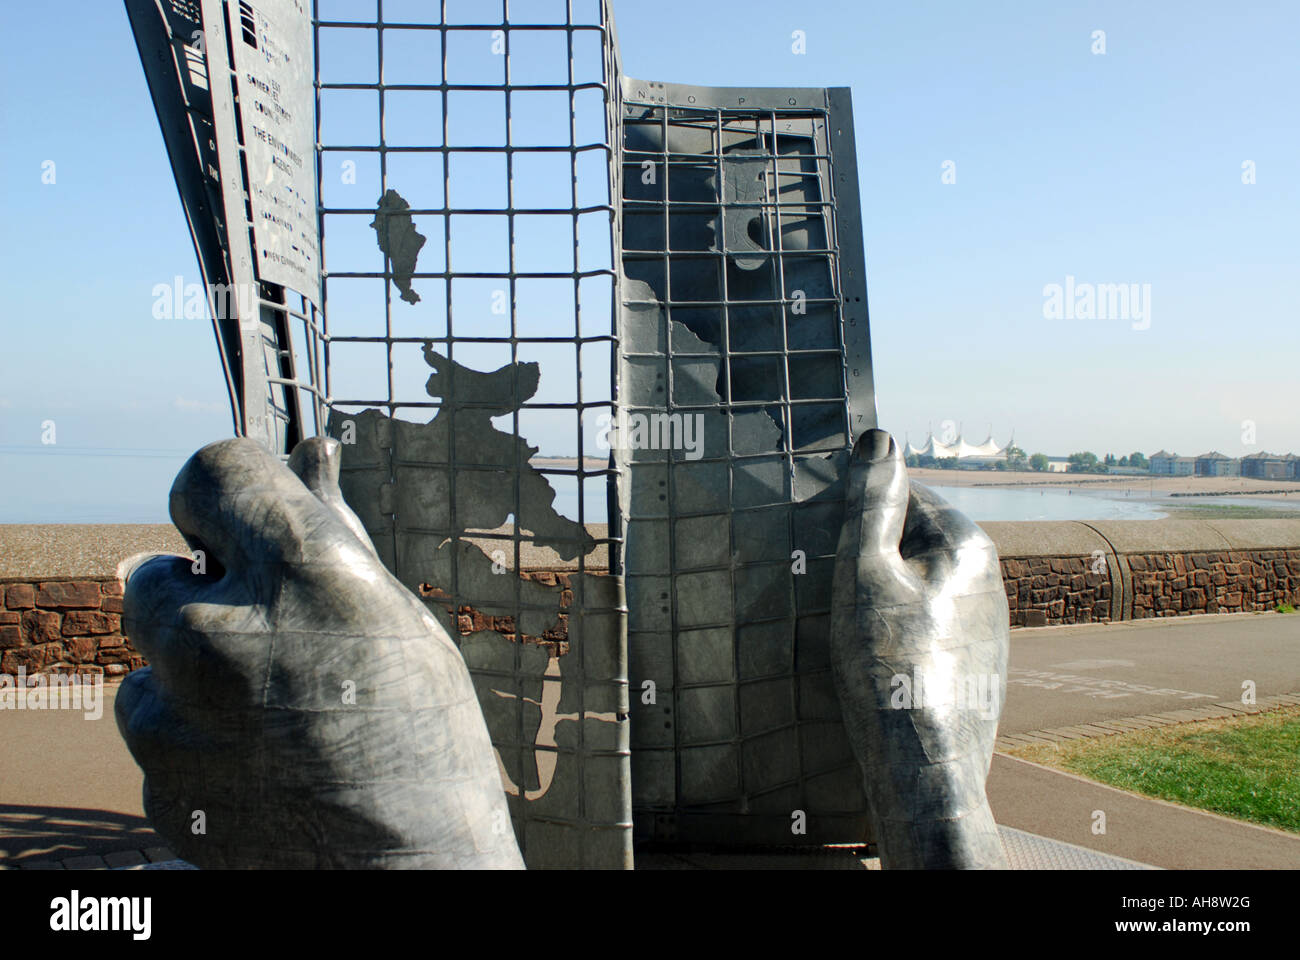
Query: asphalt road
{"type": "Point", "coordinates": [1066, 675]}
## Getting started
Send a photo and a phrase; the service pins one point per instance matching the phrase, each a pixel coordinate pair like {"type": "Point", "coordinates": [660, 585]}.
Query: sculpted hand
{"type": "Point", "coordinates": [918, 595]}
{"type": "Point", "coordinates": [301, 707]}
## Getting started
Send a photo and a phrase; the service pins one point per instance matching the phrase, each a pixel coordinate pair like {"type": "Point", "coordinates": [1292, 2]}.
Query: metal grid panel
{"type": "Point", "coordinates": [741, 309]}
{"type": "Point", "coordinates": [491, 127]}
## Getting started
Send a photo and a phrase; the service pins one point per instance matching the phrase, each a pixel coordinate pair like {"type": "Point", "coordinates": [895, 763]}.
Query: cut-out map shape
{"type": "Point", "coordinates": [399, 240]}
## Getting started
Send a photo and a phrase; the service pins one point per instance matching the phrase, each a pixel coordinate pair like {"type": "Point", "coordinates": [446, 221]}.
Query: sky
{"type": "Point", "coordinates": [1122, 167]}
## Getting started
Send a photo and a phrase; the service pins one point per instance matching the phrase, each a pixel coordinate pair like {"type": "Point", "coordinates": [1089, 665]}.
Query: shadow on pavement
{"type": "Point", "coordinates": [57, 833]}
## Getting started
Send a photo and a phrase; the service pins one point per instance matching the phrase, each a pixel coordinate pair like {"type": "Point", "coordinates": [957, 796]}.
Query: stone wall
{"type": "Point", "coordinates": [1168, 585]}
{"type": "Point", "coordinates": [64, 626]}
{"type": "Point", "coordinates": [1054, 590]}
{"type": "Point", "coordinates": [61, 597]}
{"type": "Point", "coordinates": [1061, 573]}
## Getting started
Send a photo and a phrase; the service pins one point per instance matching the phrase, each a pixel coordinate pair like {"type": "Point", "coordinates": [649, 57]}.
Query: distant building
{"type": "Point", "coordinates": [1215, 464]}
{"type": "Point", "coordinates": [1162, 462]}
{"type": "Point", "coordinates": [1058, 464]}
{"type": "Point", "coordinates": [1269, 466]}
{"type": "Point", "coordinates": [1172, 465]}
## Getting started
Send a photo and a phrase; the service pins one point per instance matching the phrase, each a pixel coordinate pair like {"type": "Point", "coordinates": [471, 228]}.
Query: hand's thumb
{"type": "Point", "coordinates": [878, 494]}
{"type": "Point", "coordinates": [317, 461]}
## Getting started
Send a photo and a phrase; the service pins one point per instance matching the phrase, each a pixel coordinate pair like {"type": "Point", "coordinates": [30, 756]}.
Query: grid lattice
{"type": "Point", "coordinates": [491, 126]}
{"type": "Point", "coordinates": [733, 312]}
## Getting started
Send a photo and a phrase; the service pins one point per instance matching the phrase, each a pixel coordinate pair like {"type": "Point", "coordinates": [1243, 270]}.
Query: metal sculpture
{"type": "Point", "coordinates": [682, 263]}
{"type": "Point", "coordinates": [919, 644]}
{"type": "Point", "coordinates": [301, 708]}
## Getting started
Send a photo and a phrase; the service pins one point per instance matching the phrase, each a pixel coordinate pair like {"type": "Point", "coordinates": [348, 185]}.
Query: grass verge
{"type": "Point", "coordinates": [1242, 767]}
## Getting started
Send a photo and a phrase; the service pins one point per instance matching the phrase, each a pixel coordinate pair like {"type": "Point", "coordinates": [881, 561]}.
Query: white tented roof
{"type": "Point", "coordinates": [961, 448]}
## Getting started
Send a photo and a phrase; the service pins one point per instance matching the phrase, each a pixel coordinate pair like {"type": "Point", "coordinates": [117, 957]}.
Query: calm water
{"type": "Point", "coordinates": [986, 503]}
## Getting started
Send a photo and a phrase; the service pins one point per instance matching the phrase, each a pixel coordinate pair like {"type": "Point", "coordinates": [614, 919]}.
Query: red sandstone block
{"type": "Point", "coordinates": [111, 655]}
{"type": "Point", "coordinates": [81, 649]}
{"type": "Point", "coordinates": [20, 596]}
{"type": "Point", "coordinates": [41, 626]}
{"type": "Point", "coordinates": [10, 618]}
{"type": "Point", "coordinates": [92, 622]}
{"type": "Point", "coordinates": [115, 669]}
{"type": "Point", "coordinates": [30, 658]}
{"type": "Point", "coordinates": [112, 605]}
{"type": "Point", "coordinates": [76, 594]}
{"type": "Point", "coordinates": [111, 588]}
{"type": "Point", "coordinates": [10, 637]}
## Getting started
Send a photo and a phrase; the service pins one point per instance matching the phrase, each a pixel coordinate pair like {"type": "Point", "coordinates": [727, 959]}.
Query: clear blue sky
{"type": "Point", "coordinates": [1123, 167]}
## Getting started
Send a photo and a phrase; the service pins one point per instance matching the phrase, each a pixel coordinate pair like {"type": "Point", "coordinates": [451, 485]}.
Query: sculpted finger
{"type": "Point", "coordinates": [156, 589]}
{"type": "Point", "coordinates": [204, 641]}
{"type": "Point", "coordinates": [240, 503]}
{"type": "Point", "coordinates": [316, 462]}
{"type": "Point", "coordinates": [868, 566]}
{"type": "Point", "coordinates": [878, 493]}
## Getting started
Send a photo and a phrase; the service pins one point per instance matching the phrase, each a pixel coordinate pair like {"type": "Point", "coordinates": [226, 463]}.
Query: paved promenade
{"type": "Point", "coordinates": [70, 792]}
